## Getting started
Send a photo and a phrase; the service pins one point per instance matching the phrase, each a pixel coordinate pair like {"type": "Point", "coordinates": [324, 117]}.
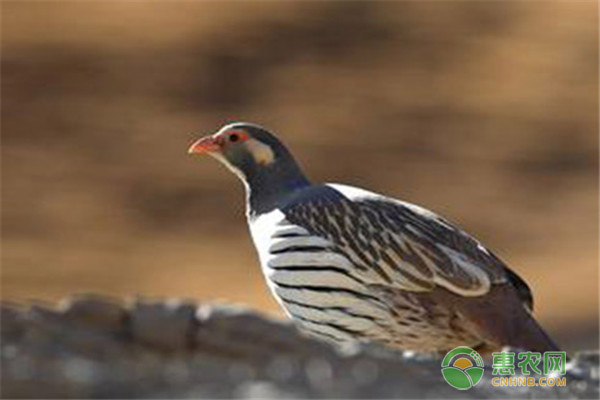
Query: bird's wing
{"type": "Point", "coordinates": [398, 244]}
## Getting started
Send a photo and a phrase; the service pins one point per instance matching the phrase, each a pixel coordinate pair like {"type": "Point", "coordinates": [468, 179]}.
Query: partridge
{"type": "Point", "coordinates": [348, 264]}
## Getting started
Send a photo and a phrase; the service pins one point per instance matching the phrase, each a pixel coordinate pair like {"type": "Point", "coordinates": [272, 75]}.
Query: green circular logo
{"type": "Point", "coordinates": [462, 368]}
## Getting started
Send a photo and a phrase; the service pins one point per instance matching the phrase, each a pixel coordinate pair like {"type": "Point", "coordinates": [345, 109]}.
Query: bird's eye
{"type": "Point", "coordinates": [234, 137]}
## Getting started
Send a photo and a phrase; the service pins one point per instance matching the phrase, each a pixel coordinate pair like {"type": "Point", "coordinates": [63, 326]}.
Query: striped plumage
{"type": "Point", "coordinates": [348, 264]}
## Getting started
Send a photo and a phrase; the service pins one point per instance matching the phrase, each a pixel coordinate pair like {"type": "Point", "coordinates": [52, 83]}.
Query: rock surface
{"type": "Point", "coordinates": [97, 347]}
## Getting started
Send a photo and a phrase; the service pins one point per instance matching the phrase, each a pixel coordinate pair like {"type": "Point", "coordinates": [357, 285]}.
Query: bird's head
{"type": "Point", "coordinates": [250, 151]}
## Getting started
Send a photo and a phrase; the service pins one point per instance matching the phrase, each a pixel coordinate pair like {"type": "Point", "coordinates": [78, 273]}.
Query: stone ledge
{"type": "Point", "coordinates": [94, 346]}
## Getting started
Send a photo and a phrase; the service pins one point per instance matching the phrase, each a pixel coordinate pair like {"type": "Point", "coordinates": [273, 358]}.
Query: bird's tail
{"type": "Point", "coordinates": [529, 335]}
{"type": "Point", "coordinates": [501, 319]}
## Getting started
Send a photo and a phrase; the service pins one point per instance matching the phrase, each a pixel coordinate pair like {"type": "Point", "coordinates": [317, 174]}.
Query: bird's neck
{"type": "Point", "coordinates": [268, 187]}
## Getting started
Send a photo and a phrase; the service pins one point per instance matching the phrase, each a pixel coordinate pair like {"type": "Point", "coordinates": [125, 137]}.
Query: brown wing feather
{"type": "Point", "coordinates": [400, 244]}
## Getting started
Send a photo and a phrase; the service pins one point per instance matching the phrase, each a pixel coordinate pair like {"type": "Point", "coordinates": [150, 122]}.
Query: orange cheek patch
{"type": "Point", "coordinates": [262, 153]}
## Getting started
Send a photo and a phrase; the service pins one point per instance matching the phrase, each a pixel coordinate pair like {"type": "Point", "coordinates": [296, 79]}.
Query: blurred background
{"type": "Point", "coordinates": [485, 112]}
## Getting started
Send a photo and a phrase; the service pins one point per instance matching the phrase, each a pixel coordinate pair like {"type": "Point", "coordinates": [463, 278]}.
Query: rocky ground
{"type": "Point", "coordinates": [98, 347]}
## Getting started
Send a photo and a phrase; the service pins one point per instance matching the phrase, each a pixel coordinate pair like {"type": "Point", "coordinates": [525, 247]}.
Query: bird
{"type": "Point", "coordinates": [350, 265]}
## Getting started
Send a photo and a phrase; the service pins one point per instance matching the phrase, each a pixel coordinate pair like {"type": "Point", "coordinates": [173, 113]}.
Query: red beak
{"type": "Point", "coordinates": [204, 145]}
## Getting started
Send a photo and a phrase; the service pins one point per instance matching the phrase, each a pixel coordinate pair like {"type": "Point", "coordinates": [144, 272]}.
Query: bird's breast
{"type": "Point", "coordinates": [316, 285]}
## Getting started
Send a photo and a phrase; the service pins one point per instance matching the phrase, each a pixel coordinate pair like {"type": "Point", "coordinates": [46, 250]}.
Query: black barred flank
{"type": "Point", "coordinates": [356, 265]}
{"type": "Point", "coordinates": [333, 325]}
{"type": "Point", "coordinates": [330, 289]}
{"type": "Point", "coordinates": [320, 268]}
{"type": "Point", "coordinates": [294, 248]}
{"type": "Point", "coordinates": [288, 235]}
{"type": "Point", "coordinates": [324, 334]}
{"type": "Point", "coordinates": [344, 310]}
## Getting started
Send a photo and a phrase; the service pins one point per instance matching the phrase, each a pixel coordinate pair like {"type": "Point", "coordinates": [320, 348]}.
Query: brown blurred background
{"type": "Point", "coordinates": [486, 112]}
